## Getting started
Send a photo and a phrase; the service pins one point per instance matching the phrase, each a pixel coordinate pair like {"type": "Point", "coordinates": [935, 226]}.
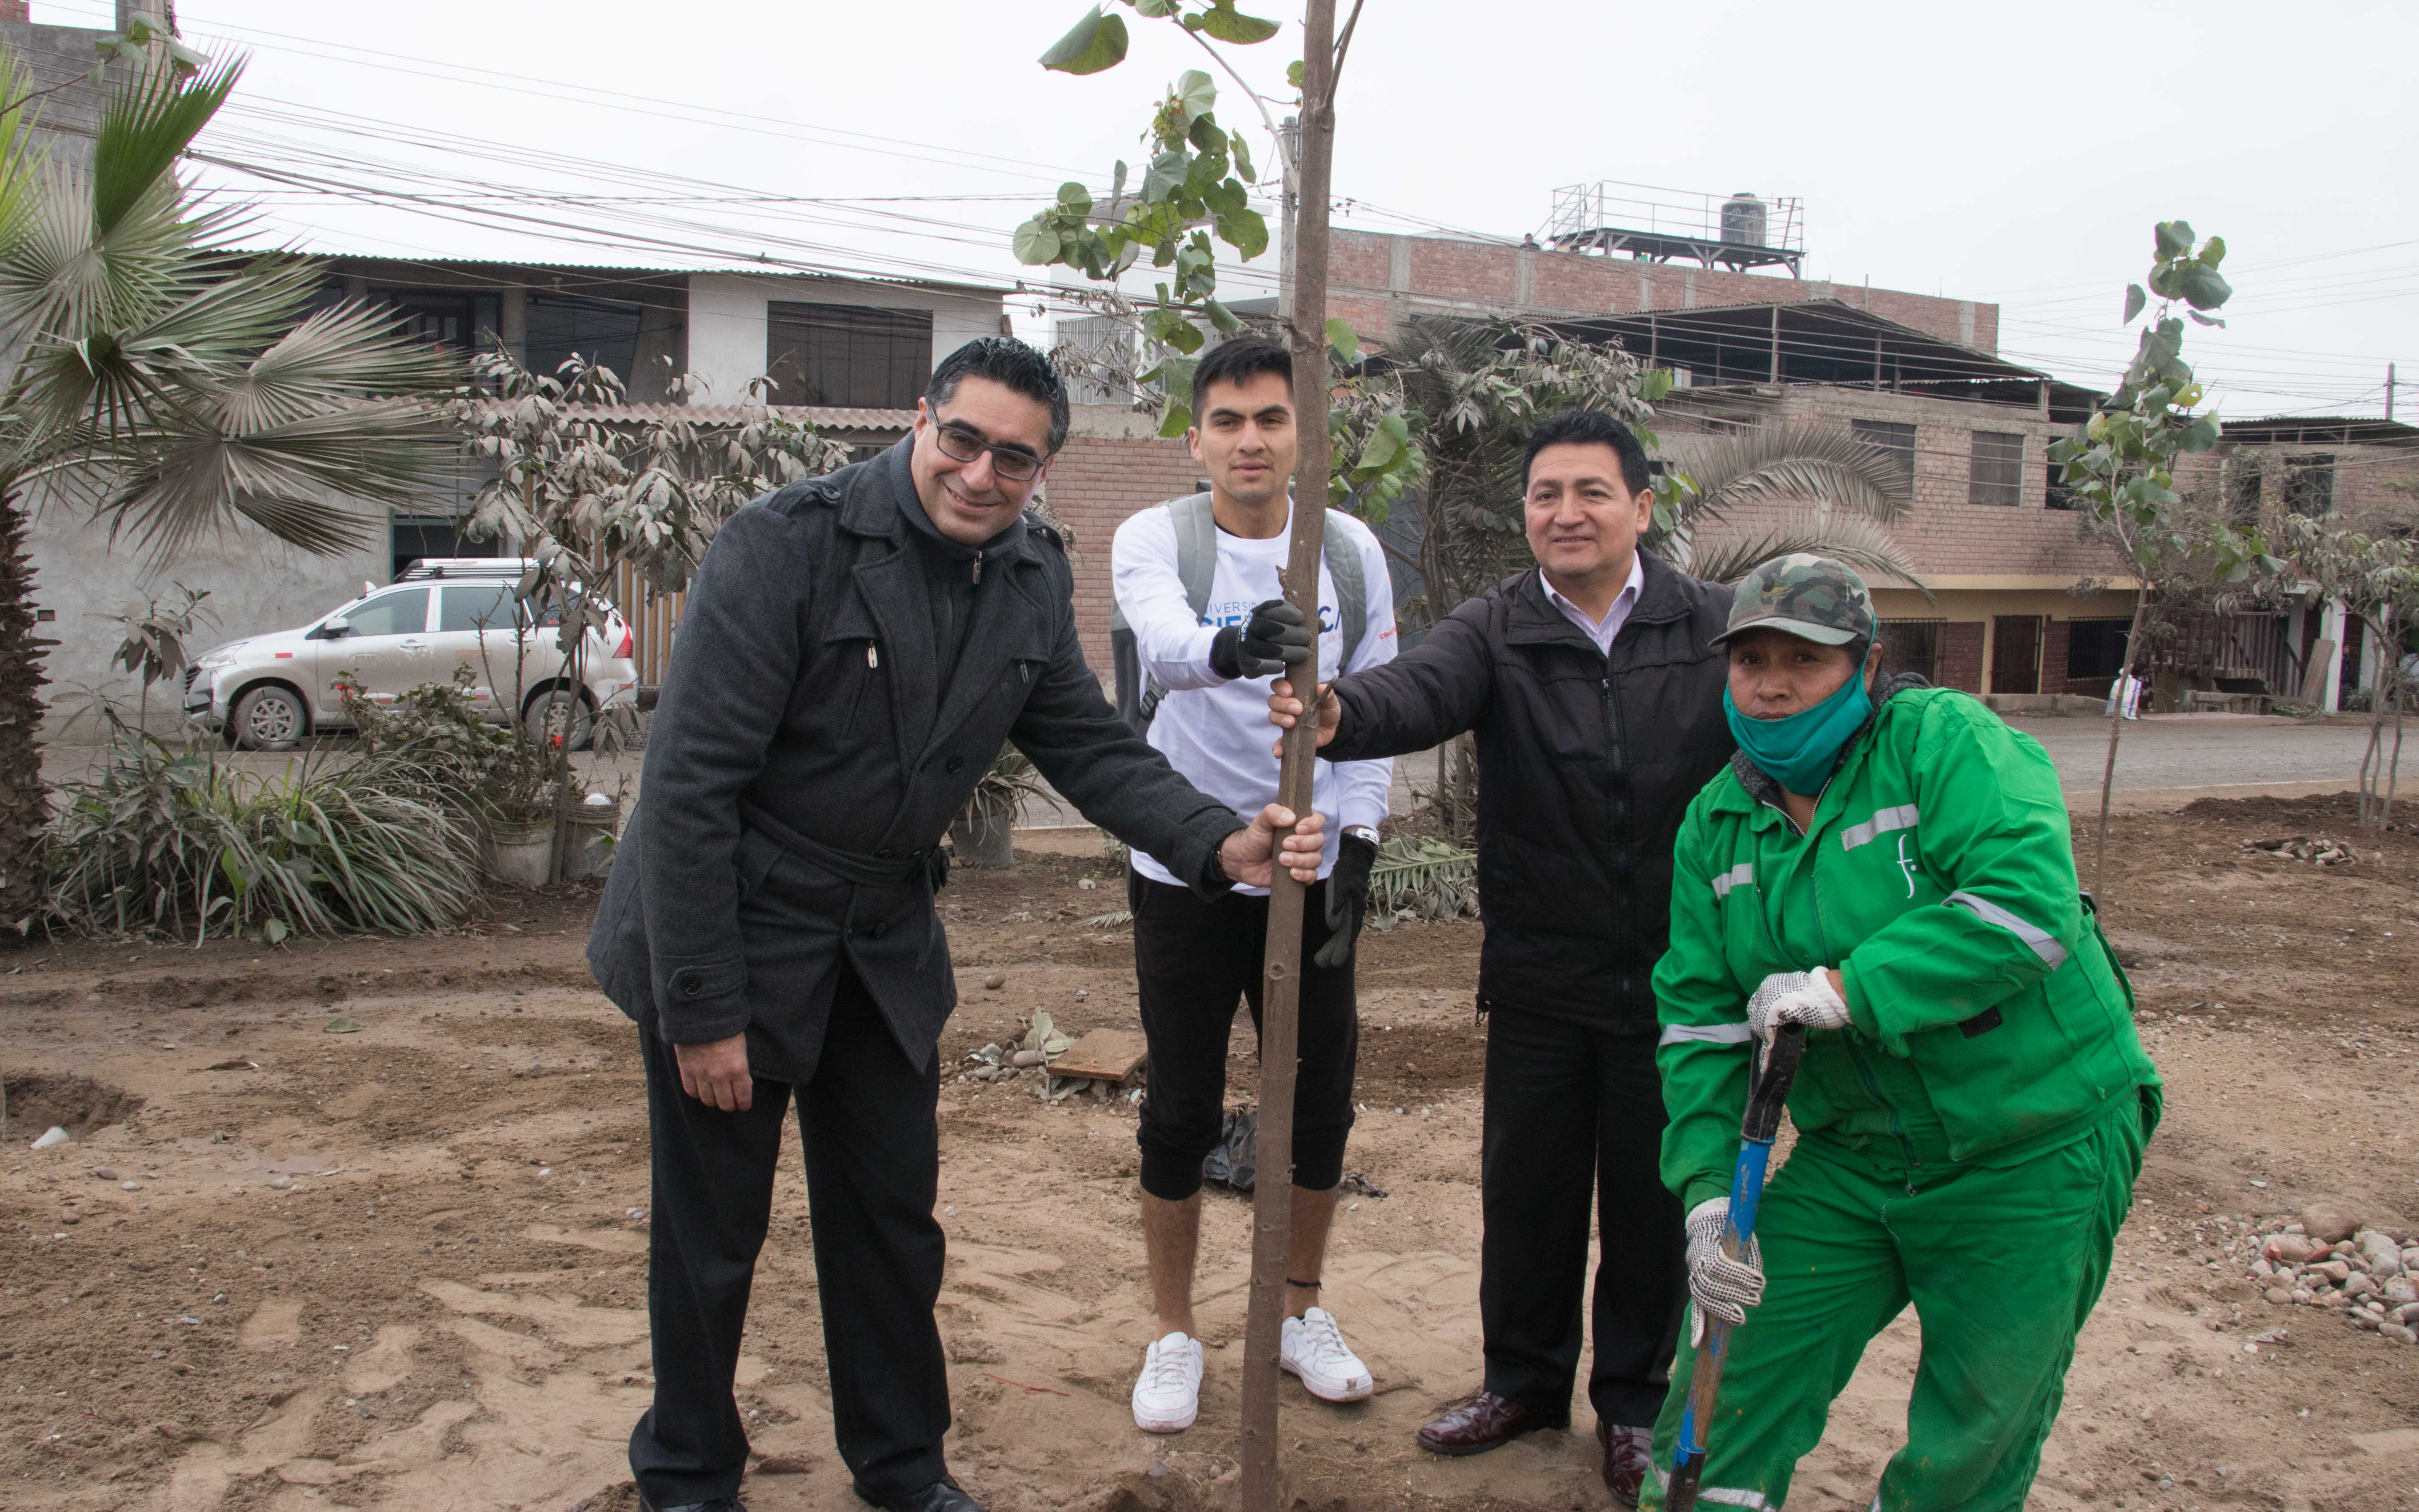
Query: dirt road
{"type": "Point", "coordinates": [404, 1267]}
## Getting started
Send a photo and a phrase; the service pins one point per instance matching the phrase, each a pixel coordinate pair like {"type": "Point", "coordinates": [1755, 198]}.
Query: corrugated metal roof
{"type": "Point", "coordinates": [823, 417]}
{"type": "Point", "coordinates": [605, 269]}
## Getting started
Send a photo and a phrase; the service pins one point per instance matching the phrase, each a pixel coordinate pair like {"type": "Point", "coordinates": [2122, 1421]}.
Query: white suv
{"type": "Point", "coordinates": [270, 691]}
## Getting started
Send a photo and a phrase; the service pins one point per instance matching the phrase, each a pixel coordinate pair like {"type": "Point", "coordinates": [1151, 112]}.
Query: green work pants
{"type": "Point", "coordinates": [2003, 1264]}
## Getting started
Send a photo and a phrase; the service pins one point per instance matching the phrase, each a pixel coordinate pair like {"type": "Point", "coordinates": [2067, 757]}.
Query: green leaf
{"type": "Point", "coordinates": [1096, 42]}
{"type": "Point", "coordinates": [1195, 94]}
{"type": "Point", "coordinates": [2201, 286]}
{"type": "Point", "coordinates": [275, 931]}
{"type": "Point", "coordinates": [2135, 299]}
{"type": "Point", "coordinates": [2174, 239]}
{"type": "Point", "coordinates": [1076, 197]}
{"type": "Point", "coordinates": [1178, 419]}
{"type": "Point", "coordinates": [2213, 251]}
{"type": "Point", "coordinates": [1118, 182]}
{"type": "Point", "coordinates": [1241, 152]}
{"type": "Point", "coordinates": [1227, 25]}
{"type": "Point", "coordinates": [1185, 338]}
{"type": "Point", "coordinates": [1247, 232]}
{"type": "Point", "coordinates": [1037, 242]}
{"type": "Point", "coordinates": [1223, 318]}
{"type": "Point", "coordinates": [1343, 339]}
{"type": "Point", "coordinates": [344, 1023]}
{"type": "Point", "coordinates": [1294, 74]}
{"type": "Point", "coordinates": [2200, 436]}
{"type": "Point", "coordinates": [2204, 320]}
{"type": "Point", "coordinates": [1155, 10]}
{"type": "Point", "coordinates": [1655, 384]}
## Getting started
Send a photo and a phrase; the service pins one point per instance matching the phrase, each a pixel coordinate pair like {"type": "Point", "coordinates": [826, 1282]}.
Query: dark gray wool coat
{"type": "Point", "coordinates": [809, 751]}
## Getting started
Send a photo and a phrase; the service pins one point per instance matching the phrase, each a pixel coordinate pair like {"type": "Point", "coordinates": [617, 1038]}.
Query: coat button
{"type": "Point", "coordinates": [955, 764]}
{"type": "Point", "coordinates": [883, 853]}
{"type": "Point", "coordinates": [690, 984]}
{"type": "Point", "coordinates": [878, 931]}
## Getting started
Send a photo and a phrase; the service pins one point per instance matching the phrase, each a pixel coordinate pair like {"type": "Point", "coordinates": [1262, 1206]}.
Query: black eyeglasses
{"type": "Point", "coordinates": [1013, 463]}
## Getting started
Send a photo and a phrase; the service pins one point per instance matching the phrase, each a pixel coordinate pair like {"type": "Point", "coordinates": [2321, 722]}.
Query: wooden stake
{"type": "Point", "coordinates": [1281, 987]}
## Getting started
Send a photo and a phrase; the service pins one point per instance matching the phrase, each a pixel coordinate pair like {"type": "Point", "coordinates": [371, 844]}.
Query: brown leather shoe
{"type": "Point", "coordinates": [1628, 1454]}
{"type": "Point", "coordinates": [1485, 1422]}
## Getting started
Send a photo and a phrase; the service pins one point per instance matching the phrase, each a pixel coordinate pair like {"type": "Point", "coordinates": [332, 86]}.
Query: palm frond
{"type": "Point", "coordinates": [350, 352]}
{"type": "Point", "coordinates": [146, 127]}
{"type": "Point", "coordinates": [1816, 461]}
{"type": "Point", "coordinates": [1861, 543]}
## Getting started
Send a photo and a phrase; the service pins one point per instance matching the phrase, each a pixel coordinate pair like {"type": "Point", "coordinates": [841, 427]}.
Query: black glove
{"type": "Point", "coordinates": [1274, 640]}
{"type": "Point", "coordinates": [1347, 899]}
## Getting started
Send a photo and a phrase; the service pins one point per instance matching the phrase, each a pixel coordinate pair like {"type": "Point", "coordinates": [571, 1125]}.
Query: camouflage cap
{"type": "Point", "coordinates": [1806, 595]}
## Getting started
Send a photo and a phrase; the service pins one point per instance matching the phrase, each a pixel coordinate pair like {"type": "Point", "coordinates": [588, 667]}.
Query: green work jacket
{"type": "Point", "coordinates": [1989, 1020]}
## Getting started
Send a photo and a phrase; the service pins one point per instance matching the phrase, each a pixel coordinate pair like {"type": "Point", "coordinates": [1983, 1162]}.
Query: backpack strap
{"type": "Point", "coordinates": [1351, 586]}
{"type": "Point", "coordinates": [1196, 548]}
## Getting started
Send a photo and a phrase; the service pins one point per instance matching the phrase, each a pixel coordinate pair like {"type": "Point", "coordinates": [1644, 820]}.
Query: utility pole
{"type": "Point", "coordinates": [2389, 390]}
{"type": "Point", "coordinates": [1281, 990]}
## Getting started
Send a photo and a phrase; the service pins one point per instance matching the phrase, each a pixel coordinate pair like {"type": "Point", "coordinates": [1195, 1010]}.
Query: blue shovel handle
{"type": "Point", "coordinates": [1756, 1133]}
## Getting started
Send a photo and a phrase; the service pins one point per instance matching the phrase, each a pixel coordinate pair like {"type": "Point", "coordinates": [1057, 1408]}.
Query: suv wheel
{"type": "Point", "coordinates": [269, 718]}
{"type": "Point", "coordinates": [558, 714]}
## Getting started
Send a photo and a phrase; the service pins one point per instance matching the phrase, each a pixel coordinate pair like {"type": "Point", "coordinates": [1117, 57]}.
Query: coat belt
{"type": "Point", "coordinates": [850, 866]}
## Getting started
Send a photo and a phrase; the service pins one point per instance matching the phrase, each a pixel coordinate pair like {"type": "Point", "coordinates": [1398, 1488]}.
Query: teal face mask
{"type": "Point", "coordinates": [1796, 750]}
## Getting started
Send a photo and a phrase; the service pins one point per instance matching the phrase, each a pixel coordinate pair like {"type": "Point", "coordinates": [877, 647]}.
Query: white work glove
{"type": "Point", "coordinates": [1723, 1289]}
{"type": "Point", "coordinates": [1795, 997]}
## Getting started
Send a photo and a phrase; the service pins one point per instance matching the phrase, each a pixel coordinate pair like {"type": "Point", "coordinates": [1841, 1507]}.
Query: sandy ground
{"type": "Point", "coordinates": [404, 1267]}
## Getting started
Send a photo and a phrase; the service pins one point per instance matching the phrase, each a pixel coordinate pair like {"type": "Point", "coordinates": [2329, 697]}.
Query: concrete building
{"type": "Point", "coordinates": [853, 354]}
{"type": "Point", "coordinates": [2021, 602]}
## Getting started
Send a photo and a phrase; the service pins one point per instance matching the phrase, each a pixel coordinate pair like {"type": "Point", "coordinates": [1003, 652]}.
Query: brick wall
{"type": "Point", "coordinates": [2055, 636]}
{"type": "Point", "coordinates": [1099, 480]}
{"type": "Point", "coordinates": [1961, 655]}
{"type": "Point", "coordinates": [1373, 278]}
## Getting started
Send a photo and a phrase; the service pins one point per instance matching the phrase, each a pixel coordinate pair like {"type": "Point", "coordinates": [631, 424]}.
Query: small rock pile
{"type": "Point", "coordinates": [2330, 1260]}
{"type": "Point", "coordinates": [2318, 849]}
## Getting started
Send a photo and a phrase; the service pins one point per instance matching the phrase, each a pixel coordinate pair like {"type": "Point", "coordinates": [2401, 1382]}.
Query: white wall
{"type": "Point", "coordinates": [727, 326]}
{"type": "Point", "coordinates": [256, 584]}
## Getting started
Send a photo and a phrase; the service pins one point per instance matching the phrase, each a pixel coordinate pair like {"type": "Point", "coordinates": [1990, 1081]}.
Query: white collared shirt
{"type": "Point", "coordinates": [1602, 631]}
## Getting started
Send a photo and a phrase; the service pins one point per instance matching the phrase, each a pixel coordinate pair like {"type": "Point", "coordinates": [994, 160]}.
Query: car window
{"type": "Point", "coordinates": [469, 606]}
{"type": "Point", "coordinates": [405, 612]}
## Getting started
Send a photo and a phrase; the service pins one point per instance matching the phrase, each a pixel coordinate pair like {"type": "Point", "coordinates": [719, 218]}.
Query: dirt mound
{"type": "Point", "coordinates": [38, 1100]}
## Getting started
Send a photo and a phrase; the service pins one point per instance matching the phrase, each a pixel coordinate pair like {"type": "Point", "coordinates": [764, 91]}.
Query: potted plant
{"type": "Point", "coordinates": [979, 835]}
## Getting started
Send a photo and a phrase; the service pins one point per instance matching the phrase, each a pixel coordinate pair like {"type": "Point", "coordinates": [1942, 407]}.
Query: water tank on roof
{"type": "Point", "coordinates": [1743, 220]}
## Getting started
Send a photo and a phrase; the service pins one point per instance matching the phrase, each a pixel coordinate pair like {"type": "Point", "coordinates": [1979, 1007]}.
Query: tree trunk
{"type": "Point", "coordinates": [24, 802]}
{"type": "Point", "coordinates": [1281, 992]}
{"type": "Point", "coordinates": [2115, 727]}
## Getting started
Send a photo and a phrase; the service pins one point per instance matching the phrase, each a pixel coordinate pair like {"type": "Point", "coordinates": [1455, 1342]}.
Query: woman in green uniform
{"type": "Point", "coordinates": [1890, 866]}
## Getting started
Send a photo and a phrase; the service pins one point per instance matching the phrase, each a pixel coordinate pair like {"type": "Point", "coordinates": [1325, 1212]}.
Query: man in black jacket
{"type": "Point", "coordinates": [1597, 707]}
{"type": "Point", "coordinates": [852, 655]}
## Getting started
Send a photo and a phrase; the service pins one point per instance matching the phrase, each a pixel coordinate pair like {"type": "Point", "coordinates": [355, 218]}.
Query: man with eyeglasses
{"type": "Point", "coordinates": [854, 651]}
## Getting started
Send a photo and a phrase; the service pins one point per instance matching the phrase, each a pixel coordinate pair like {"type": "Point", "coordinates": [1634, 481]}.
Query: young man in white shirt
{"type": "Point", "coordinates": [1208, 659]}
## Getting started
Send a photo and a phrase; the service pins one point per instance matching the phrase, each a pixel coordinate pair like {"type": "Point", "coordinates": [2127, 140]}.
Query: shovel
{"type": "Point", "coordinates": [1756, 1131]}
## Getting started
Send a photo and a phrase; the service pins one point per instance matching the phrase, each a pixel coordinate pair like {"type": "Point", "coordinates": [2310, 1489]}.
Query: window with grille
{"type": "Point", "coordinates": [2057, 495]}
{"type": "Point", "coordinates": [2096, 648]}
{"type": "Point", "coordinates": [1999, 476]}
{"type": "Point", "coordinates": [605, 331]}
{"type": "Point", "coordinates": [1894, 438]}
{"type": "Point", "coordinates": [463, 319]}
{"type": "Point", "coordinates": [848, 354]}
{"type": "Point", "coordinates": [1912, 646]}
{"type": "Point", "coordinates": [2246, 476]}
{"type": "Point", "coordinates": [2310, 483]}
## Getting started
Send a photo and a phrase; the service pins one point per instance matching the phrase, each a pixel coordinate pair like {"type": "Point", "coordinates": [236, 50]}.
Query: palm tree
{"type": "Point", "coordinates": [172, 383]}
{"type": "Point", "coordinates": [1838, 494]}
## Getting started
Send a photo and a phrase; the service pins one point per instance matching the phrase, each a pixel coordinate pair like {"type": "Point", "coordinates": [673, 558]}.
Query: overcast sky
{"type": "Point", "coordinates": [2016, 155]}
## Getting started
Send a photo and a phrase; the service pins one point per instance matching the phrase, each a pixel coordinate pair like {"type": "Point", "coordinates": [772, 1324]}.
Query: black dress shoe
{"type": "Point", "coordinates": [1486, 1422]}
{"type": "Point", "coordinates": [1628, 1454]}
{"type": "Point", "coordinates": [720, 1504]}
{"type": "Point", "coordinates": [943, 1495]}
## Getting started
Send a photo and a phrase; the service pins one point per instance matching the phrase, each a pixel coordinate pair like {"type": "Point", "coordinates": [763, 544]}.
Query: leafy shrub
{"type": "Point", "coordinates": [183, 845]}
{"type": "Point", "coordinates": [482, 770]}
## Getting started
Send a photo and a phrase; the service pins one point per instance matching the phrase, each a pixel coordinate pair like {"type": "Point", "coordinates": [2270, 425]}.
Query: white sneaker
{"type": "Point", "coordinates": [1314, 1349]}
{"type": "Point", "coordinates": [1168, 1397]}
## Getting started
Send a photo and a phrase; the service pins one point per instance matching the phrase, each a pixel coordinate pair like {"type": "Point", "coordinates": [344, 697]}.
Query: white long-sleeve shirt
{"type": "Point", "coordinates": [1214, 731]}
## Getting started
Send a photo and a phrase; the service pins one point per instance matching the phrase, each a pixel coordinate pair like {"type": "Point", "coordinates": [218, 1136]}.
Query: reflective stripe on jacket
{"type": "Point", "coordinates": [1989, 1020]}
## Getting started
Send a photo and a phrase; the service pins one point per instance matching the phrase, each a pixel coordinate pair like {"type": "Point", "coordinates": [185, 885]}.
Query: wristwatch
{"type": "Point", "coordinates": [1363, 833]}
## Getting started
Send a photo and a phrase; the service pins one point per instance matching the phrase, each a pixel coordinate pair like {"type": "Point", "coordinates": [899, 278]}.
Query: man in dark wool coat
{"type": "Point", "coordinates": [853, 653]}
